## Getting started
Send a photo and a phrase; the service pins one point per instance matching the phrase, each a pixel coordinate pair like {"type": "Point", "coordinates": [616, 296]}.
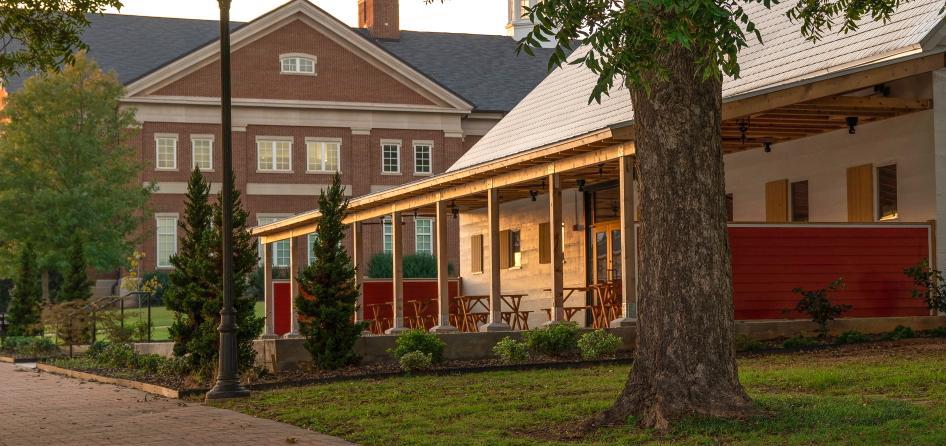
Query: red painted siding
{"type": "Point", "coordinates": [282, 308]}
{"type": "Point", "coordinates": [769, 261]}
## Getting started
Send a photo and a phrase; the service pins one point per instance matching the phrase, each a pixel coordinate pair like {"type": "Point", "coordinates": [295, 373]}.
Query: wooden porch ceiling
{"type": "Point", "coordinates": [811, 118]}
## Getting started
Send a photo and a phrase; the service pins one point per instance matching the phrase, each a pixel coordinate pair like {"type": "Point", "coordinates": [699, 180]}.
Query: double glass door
{"type": "Point", "coordinates": [606, 237]}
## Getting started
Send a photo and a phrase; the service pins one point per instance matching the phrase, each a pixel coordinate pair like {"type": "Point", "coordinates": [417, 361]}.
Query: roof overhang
{"type": "Point", "coordinates": [590, 152]}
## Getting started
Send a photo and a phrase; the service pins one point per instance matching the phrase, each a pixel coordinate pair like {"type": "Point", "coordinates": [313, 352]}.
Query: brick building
{"type": "Point", "coordinates": [311, 96]}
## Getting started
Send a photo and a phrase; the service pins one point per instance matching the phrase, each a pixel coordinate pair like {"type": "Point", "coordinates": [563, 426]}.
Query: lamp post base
{"type": "Point", "coordinates": [623, 322]}
{"type": "Point", "coordinates": [443, 329]}
{"type": "Point", "coordinates": [226, 391]}
{"type": "Point", "coordinates": [496, 326]}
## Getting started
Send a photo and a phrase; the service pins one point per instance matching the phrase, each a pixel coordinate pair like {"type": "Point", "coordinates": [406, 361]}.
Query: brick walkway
{"type": "Point", "coordinates": [44, 409]}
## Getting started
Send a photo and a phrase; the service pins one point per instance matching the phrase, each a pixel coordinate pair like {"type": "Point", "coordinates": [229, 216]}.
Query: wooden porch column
{"type": "Point", "coordinates": [397, 274]}
{"type": "Point", "coordinates": [269, 331]}
{"type": "Point", "coordinates": [356, 242]}
{"type": "Point", "coordinates": [443, 285]}
{"type": "Point", "coordinates": [628, 245]}
{"type": "Point", "coordinates": [495, 287]}
{"type": "Point", "coordinates": [555, 238]}
{"type": "Point", "coordinates": [293, 289]}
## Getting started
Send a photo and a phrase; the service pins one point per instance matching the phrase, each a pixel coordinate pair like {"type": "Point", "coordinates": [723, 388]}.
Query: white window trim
{"type": "Point", "coordinates": [876, 174]}
{"type": "Point", "coordinates": [158, 136]}
{"type": "Point", "coordinates": [388, 142]}
{"type": "Point", "coordinates": [194, 152]}
{"type": "Point", "coordinates": [157, 242]}
{"type": "Point", "coordinates": [417, 234]}
{"type": "Point", "coordinates": [323, 140]}
{"type": "Point", "coordinates": [385, 223]}
{"type": "Point", "coordinates": [260, 139]}
{"type": "Point", "coordinates": [430, 145]}
{"type": "Point", "coordinates": [314, 59]}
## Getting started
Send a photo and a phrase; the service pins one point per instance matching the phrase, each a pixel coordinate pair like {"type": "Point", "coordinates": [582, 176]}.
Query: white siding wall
{"type": "Point", "coordinates": [823, 161]}
{"type": "Point", "coordinates": [532, 278]}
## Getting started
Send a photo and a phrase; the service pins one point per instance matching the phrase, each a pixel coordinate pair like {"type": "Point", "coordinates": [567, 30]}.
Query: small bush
{"type": "Point", "coordinates": [851, 337]}
{"type": "Point", "coordinates": [30, 346]}
{"type": "Point", "coordinates": [598, 344]}
{"type": "Point", "coordinates": [416, 266]}
{"type": "Point", "coordinates": [96, 349]}
{"type": "Point", "coordinates": [553, 340]}
{"type": "Point", "coordinates": [938, 332]}
{"type": "Point", "coordinates": [418, 341]}
{"type": "Point", "coordinates": [173, 367]}
{"type": "Point", "coordinates": [817, 304]}
{"type": "Point", "coordinates": [148, 363]}
{"type": "Point", "coordinates": [117, 355]}
{"type": "Point", "coordinates": [415, 361]}
{"type": "Point", "coordinates": [746, 344]}
{"type": "Point", "coordinates": [511, 351]}
{"type": "Point", "coordinates": [900, 332]}
{"type": "Point", "coordinates": [799, 342]}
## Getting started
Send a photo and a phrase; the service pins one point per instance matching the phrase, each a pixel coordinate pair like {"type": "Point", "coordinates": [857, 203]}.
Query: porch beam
{"type": "Point", "coordinates": [270, 323]}
{"type": "Point", "coordinates": [397, 274]}
{"type": "Point", "coordinates": [510, 178]}
{"type": "Point", "coordinates": [356, 260]}
{"type": "Point", "coordinates": [555, 238]}
{"type": "Point", "coordinates": [626, 190]}
{"type": "Point", "coordinates": [841, 82]}
{"type": "Point", "coordinates": [443, 285]}
{"type": "Point", "coordinates": [495, 322]}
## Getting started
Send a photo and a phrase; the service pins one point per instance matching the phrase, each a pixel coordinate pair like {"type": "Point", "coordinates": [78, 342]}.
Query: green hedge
{"type": "Point", "coordinates": [416, 266]}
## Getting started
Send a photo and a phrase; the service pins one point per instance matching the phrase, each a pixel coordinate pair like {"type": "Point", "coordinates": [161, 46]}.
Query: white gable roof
{"type": "Point", "coordinates": [558, 108]}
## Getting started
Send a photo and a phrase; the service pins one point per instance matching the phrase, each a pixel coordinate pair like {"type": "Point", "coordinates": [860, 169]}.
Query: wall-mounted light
{"type": "Point", "coordinates": [534, 194]}
{"type": "Point", "coordinates": [743, 129]}
{"type": "Point", "coordinates": [600, 169]}
{"type": "Point", "coordinates": [768, 147]}
{"type": "Point", "coordinates": [456, 212]}
{"type": "Point", "coordinates": [851, 124]}
{"type": "Point", "coordinates": [581, 185]}
{"type": "Point", "coordinates": [415, 214]}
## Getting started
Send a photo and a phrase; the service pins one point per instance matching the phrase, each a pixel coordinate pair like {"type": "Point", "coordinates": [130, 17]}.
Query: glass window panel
{"type": "Point", "coordinates": [388, 236]}
{"type": "Point", "coordinates": [615, 254]}
{"type": "Point", "coordinates": [601, 256]}
{"type": "Point", "coordinates": [316, 156]}
{"type": "Point", "coordinates": [166, 240]}
{"type": "Point", "coordinates": [422, 159]}
{"type": "Point", "coordinates": [887, 192]}
{"type": "Point", "coordinates": [310, 241]}
{"type": "Point", "coordinates": [391, 158]}
{"type": "Point", "coordinates": [515, 248]}
{"type": "Point", "coordinates": [203, 153]}
{"type": "Point", "coordinates": [166, 153]}
{"type": "Point", "coordinates": [423, 236]}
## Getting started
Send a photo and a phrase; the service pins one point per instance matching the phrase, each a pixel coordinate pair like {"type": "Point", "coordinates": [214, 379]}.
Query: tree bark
{"type": "Point", "coordinates": [685, 361]}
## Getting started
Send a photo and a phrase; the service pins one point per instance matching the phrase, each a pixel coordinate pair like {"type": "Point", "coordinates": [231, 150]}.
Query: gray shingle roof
{"type": "Point", "coordinates": [483, 69]}
{"type": "Point", "coordinates": [558, 108]}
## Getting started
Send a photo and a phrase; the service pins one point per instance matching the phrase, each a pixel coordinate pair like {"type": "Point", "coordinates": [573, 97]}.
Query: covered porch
{"type": "Point", "coordinates": [550, 234]}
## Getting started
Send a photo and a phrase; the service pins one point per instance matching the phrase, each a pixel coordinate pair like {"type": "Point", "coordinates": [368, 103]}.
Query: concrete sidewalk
{"type": "Point", "coordinates": [43, 409]}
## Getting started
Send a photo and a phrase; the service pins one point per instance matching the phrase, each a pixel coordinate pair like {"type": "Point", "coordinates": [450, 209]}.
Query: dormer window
{"type": "Point", "coordinates": [297, 64]}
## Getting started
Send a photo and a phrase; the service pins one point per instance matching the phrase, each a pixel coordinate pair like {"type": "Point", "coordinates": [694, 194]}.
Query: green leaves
{"type": "Point", "coordinates": [40, 35]}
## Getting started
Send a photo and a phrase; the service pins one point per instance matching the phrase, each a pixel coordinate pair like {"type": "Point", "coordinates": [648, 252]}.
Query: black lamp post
{"type": "Point", "coordinates": [228, 379]}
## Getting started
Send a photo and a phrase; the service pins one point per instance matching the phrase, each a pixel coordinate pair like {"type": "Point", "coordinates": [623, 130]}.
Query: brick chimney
{"type": "Point", "coordinates": [380, 18]}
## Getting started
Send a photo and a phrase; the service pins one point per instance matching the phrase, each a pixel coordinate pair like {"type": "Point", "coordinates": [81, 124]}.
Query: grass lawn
{"type": "Point", "coordinates": [161, 319]}
{"type": "Point", "coordinates": [858, 395]}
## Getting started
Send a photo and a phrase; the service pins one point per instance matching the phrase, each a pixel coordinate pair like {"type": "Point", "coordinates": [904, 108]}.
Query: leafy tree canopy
{"type": "Point", "coordinates": [66, 168]}
{"type": "Point", "coordinates": [40, 35]}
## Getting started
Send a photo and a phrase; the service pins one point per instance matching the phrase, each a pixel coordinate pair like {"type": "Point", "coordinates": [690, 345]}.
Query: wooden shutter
{"type": "Point", "coordinates": [776, 201]}
{"type": "Point", "coordinates": [476, 253]}
{"type": "Point", "coordinates": [860, 193]}
{"type": "Point", "coordinates": [545, 243]}
{"type": "Point", "coordinates": [504, 252]}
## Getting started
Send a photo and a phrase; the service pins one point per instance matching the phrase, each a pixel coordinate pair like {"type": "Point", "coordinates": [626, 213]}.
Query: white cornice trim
{"type": "Point", "coordinates": [318, 18]}
{"type": "Point", "coordinates": [290, 103]}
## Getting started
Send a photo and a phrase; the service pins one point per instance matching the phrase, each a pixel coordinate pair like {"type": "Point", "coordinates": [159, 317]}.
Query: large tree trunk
{"type": "Point", "coordinates": [685, 360]}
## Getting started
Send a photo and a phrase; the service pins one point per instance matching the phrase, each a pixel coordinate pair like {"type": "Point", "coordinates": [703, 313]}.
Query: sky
{"type": "Point", "coordinates": [462, 16]}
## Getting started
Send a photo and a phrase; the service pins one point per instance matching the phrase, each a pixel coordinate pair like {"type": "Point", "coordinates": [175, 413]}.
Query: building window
{"type": "Point", "coordinates": [274, 155]}
{"type": "Point", "coordinates": [203, 153]}
{"type": "Point", "coordinates": [510, 249]}
{"type": "Point", "coordinates": [166, 152]}
{"type": "Point", "coordinates": [310, 240]}
{"type": "Point", "coordinates": [387, 235]}
{"type": "Point", "coordinates": [390, 157]}
{"type": "Point", "coordinates": [423, 164]}
{"type": "Point", "coordinates": [166, 239]}
{"type": "Point", "coordinates": [799, 191]}
{"type": "Point", "coordinates": [281, 250]}
{"type": "Point", "coordinates": [424, 236]}
{"type": "Point", "coordinates": [523, 4]}
{"type": "Point", "coordinates": [297, 64]}
{"type": "Point", "coordinates": [887, 192]}
{"type": "Point", "coordinates": [323, 156]}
